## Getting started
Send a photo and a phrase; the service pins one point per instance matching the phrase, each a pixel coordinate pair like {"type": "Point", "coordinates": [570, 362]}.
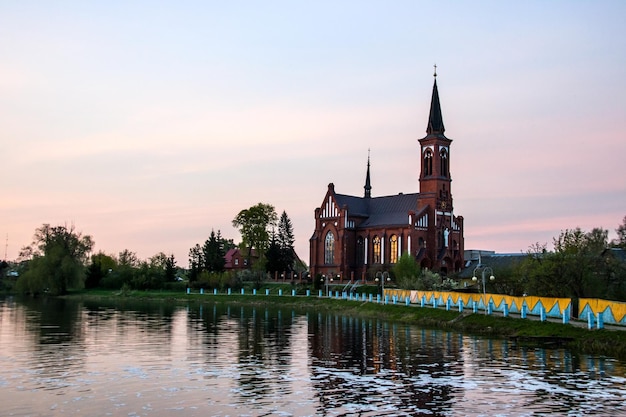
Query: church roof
{"type": "Point", "coordinates": [380, 211]}
{"type": "Point", "coordinates": [435, 119]}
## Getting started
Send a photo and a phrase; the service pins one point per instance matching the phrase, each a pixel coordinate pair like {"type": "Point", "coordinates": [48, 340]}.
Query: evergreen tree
{"type": "Point", "coordinates": [285, 243]}
{"type": "Point", "coordinates": [273, 256]}
{"type": "Point", "coordinates": [170, 268]}
{"type": "Point", "coordinates": [213, 253]}
{"type": "Point", "coordinates": [196, 261]}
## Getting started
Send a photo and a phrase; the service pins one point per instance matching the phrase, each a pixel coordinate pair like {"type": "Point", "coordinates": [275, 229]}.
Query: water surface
{"type": "Point", "coordinates": [131, 358]}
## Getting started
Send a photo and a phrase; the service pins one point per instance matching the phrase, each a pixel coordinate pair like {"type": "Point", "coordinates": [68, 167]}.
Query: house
{"type": "Point", "coordinates": [237, 260]}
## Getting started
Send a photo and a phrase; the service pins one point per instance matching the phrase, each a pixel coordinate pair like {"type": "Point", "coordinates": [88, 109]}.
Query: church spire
{"type": "Point", "coordinates": [368, 185]}
{"type": "Point", "coordinates": [435, 120]}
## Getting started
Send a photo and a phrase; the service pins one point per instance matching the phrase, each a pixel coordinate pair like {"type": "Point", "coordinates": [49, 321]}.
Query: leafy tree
{"type": "Point", "coordinates": [101, 265]}
{"type": "Point", "coordinates": [59, 256]}
{"type": "Point", "coordinates": [128, 258]}
{"type": "Point", "coordinates": [428, 280]}
{"type": "Point", "coordinates": [620, 242]}
{"type": "Point", "coordinates": [407, 271]}
{"type": "Point", "coordinates": [575, 268]}
{"type": "Point", "coordinates": [254, 225]}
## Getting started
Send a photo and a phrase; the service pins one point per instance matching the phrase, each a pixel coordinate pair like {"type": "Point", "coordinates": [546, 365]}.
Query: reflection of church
{"type": "Point", "coordinates": [359, 236]}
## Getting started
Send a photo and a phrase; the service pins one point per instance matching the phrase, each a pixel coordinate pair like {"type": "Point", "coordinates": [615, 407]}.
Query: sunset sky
{"type": "Point", "coordinates": [147, 124]}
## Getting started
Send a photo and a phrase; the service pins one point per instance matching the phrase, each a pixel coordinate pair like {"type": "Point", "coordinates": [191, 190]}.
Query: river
{"type": "Point", "coordinates": [134, 358]}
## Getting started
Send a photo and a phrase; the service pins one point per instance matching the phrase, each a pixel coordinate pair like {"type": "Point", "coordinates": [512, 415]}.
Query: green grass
{"type": "Point", "coordinates": [525, 331]}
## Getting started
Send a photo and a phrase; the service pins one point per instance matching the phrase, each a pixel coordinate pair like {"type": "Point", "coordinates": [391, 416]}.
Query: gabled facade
{"type": "Point", "coordinates": [236, 260]}
{"type": "Point", "coordinates": [358, 236]}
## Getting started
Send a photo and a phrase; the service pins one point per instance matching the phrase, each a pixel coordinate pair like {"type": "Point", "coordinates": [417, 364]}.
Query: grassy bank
{"type": "Point", "coordinates": [527, 331]}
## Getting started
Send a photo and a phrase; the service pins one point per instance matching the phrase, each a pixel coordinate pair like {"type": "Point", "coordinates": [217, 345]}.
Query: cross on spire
{"type": "Point", "coordinates": [435, 74]}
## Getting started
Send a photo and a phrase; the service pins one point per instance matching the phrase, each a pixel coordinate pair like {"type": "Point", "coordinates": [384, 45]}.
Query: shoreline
{"type": "Point", "coordinates": [526, 332]}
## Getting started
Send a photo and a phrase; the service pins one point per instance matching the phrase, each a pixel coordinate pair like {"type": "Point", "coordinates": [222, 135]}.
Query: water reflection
{"type": "Point", "coordinates": [127, 358]}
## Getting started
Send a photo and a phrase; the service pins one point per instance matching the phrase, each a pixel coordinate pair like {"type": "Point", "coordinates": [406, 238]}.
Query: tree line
{"type": "Point", "coordinates": [581, 265]}
{"type": "Point", "coordinates": [59, 259]}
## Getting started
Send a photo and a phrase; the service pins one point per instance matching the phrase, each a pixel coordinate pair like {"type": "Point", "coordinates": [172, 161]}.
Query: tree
{"type": "Point", "coordinates": [406, 271]}
{"type": "Point", "coordinates": [101, 265]}
{"type": "Point", "coordinates": [254, 225]}
{"type": "Point", "coordinates": [170, 268]}
{"type": "Point", "coordinates": [620, 242]}
{"type": "Point", "coordinates": [128, 258]}
{"type": "Point", "coordinates": [273, 256]}
{"type": "Point", "coordinates": [213, 253]}
{"type": "Point", "coordinates": [59, 257]}
{"type": "Point", "coordinates": [196, 260]}
{"type": "Point", "coordinates": [575, 268]}
{"type": "Point", "coordinates": [285, 243]}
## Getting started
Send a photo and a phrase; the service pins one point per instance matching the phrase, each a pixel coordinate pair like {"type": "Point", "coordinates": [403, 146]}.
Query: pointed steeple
{"type": "Point", "coordinates": [368, 185]}
{"type": "Point", "coordinates": [435, 120]}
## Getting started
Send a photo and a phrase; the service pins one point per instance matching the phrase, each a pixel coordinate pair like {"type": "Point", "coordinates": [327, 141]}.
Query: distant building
{"type": "Point", "coordinates": [237, 260]}
{"type": "Point", "coordinates": [486, 258]}
{"type": "Point", "coordinates": [359, 236]}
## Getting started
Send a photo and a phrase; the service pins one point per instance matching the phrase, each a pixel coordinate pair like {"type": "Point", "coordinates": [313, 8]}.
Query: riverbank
{"type": "Point", "coordinates": [520, 331]}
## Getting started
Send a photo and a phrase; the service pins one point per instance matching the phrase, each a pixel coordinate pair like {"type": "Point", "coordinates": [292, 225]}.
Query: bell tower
{"type": "Point", "coordinates": [435, 177]}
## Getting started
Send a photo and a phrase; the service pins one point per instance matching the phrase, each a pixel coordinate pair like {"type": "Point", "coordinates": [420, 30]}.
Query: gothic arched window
{"type": "Point", "coordinates": [329, 249]}
{"type": "Point", "coordinates": [360, 251]}
{"type": "Point", "coordinates": [393, 249]}
{"type": "Point", "coordinates": [376, 250]}
{"type": "Point", "coordinates": [428, 162]}
{"type": "Point", "coordinates": [444, 162]}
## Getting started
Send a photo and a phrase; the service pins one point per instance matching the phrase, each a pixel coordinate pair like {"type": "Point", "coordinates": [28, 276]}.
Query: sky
{"type": "Point", "coordinates": [148, 124]}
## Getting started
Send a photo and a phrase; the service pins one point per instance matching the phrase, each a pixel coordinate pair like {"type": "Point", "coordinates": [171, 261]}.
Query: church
{"type": "Point", "coordinates": [357, 237]}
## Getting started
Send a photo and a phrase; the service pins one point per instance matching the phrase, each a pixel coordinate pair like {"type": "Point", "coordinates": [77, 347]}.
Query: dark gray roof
{"type": "Point", "coordinates": [497, 262]}
{"type": "Point", "coordinates": [617, 253]}
{"type": "Point", "coordinates": [435, 120]}
{"type": "Point", "coordinates": [380, 211]}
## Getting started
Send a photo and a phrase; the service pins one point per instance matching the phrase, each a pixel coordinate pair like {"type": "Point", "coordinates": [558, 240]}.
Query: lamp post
{"type": "Point", "coordinates": [484, 278]}
{"type": "Point", "coordinates": [382, 277]}
{"type": "Point", "coordinates": [325, 279]}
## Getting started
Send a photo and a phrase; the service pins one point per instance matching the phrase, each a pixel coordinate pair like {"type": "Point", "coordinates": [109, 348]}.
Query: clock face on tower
{"type": "Point", "coordinates": [443, 205]}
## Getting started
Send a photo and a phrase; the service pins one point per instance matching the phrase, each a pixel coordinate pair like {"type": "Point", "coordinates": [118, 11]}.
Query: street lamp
{"type": "Point", "coordinates": [382, 277]}
{"type": "Point", "coordinates": [325, 279]}
{"type": "Point", "coordinates": [484, 277]}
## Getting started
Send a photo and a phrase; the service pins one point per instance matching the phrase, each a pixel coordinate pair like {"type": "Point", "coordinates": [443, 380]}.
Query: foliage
{"type": "Point", "coordinates": [578, 267]}
{"type": "Point", "coordinates": [195, 262]}
{"type": "Point", "coordinates": [217, 280]}
{"type": "Point", "coordinates": [447, 284]}
{"type": "Point", "coordinates": [213, 253]}
{"type": "Point", "coordinates": [407, 271]}
{"type": "Point", "coordinates": [210, 256]}
{"type": "Point", "coordinates": [128, 258]}
{"type": "Point", "coordinates": [254, 225]}
{"type": "Point", "coordinates": [129, 273]}
{"type": "Point", "coordinates": [58, 254]}
{"type": "Point", "coordinates": [101, 265]}
{"type": "Point", "coordinates": [280, 254]}
{"type": "Point", "coordinates": [620, 242]}
{"type": "Point", "coordinates": [272, 256]}
{"type": "Point", "coordinates": [170, 268]}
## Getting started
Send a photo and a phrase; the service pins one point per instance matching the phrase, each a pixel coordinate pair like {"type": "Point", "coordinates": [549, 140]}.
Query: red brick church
{"type": "Point", "coordinates": [356, 237]}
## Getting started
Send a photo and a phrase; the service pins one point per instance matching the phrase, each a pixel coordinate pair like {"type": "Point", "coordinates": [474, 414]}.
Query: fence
{"type": "Point", "coordinates": [612, 312]}
{"type": "Point", "coordinates": [589, 309]}
{"type": "Point", "coordinates": [540, 306]}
